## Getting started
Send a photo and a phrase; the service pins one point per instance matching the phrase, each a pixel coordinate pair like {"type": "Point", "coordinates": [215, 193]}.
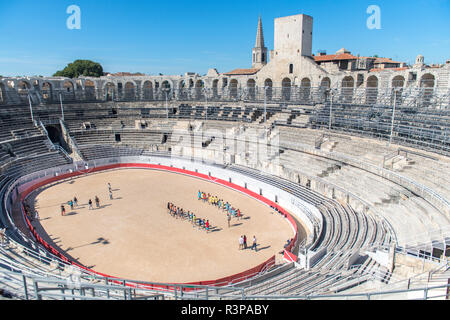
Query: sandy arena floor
{"type": "Point", "coordinates": [133, 236]}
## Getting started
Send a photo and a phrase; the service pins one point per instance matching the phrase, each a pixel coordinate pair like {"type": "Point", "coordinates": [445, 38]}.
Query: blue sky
{"type": "Point", "coordinates": [174, 37]}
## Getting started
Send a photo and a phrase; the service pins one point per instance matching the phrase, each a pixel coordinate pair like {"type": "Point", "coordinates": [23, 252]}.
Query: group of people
{"type": "Point", "coordinates": [73, 203]}
{"type": "Point", "coordinates": [243, 243]}
{"type": "Point", "coordinates": [220, 204]}
{"type": "Point", "coordinates": [178, 212]}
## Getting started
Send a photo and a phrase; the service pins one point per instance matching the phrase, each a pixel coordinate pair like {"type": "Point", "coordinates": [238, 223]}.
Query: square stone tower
{"type": "Point", "coordinates": [293, 36]}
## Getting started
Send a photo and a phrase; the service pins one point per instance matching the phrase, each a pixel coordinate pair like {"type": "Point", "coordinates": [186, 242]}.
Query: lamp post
{"type": "Point", "coordinates": [205, 92]}
{"type": "Point", "coordinates": [331, 108]}
{"type": "Point", "coordinates": [265, 103]}
{"type": "Point", "coordinates": [31, 108]}
{"type": "Point", "coordinates": [396, 90]}
{"type": "Point", "coordinates": [62, 108]}
{"type": "Point", "coordinates": [166, 91]}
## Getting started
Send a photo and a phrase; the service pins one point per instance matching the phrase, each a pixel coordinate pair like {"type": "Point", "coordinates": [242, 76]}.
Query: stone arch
{"type": "Point", "coordinates": [147, 90]}
{"type": "Point", "coordinates": [110, 91]}
{"type": "Point", "coordinates": [23, 88]}
{"type": "Point", "coordinates": [47, 91]}
{"type": "Point", "coordinates": [251, 87]}
{"type": "Point", "coordinates": [89, 89]}
{"type": "Point", "coordinates": [371, 89]}
{"type": "Point", "coordinates": [68, 90]}
{"type": "Point", "coordinates": [182, 90]}
{"type": "Point", "coordinates": [23, 85]}
{"type": "Point", "coordinates": [348, 84]}
{"type": "Point", "coordinates": [130, 90]}
{"type": "Point", "coordinates": [427, 81]}
{"type": "Point", "coordinates": [305, 89]}
{"type": "Point", "coordinates": [234, 88]}
{"type": "Point", "coordinates": [398, 82]}
{"type": "Point", "coordinates": [268, 85]}
{"type": "Point", "coordinates": [36, 85]}
{"type": "Point", "coordinates": [325, 83]}
{"type": "Point", "coordinates": [286, 85]}
{"type": "Point", "coordinates": [199, 86]}
{"type": "Point", "coordinates": [10, 84]}
{"type": "Point", "coordinates": [166, 84]}
{"type": "Point", "coordinates": [79, 84]}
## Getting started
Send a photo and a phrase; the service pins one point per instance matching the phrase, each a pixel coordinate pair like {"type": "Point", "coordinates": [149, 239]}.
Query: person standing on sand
{"type": "Point", "coordinates": [254, 244]}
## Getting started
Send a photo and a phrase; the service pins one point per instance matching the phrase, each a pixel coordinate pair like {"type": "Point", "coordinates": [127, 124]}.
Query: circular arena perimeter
{"type": "Point", "coordinates": [132, 236]}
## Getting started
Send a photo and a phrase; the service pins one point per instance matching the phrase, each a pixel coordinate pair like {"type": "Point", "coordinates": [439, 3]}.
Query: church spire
{"type": "Point", "coordinates": [259, 35]}
{"type": "Point", "coordinates": [259, 52]}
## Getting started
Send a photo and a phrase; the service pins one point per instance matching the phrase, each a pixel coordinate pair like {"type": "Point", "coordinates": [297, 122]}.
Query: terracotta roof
{"type": "Point", "coordinates": [242, 72]}
{"type": "Point", "coordinates": [333, 57]}
{"type": "Point", "coordinates": [385, 60]}
{"type": "Point", "coordinates": [388, 69]}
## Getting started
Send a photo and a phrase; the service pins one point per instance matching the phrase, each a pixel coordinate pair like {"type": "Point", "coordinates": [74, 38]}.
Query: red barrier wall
{"type": "Point", "coordinates": [218, 282]}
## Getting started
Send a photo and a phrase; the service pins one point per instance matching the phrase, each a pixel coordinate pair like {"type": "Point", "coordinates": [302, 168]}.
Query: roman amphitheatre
{"type": "Point", "coordinates": [346, 157]}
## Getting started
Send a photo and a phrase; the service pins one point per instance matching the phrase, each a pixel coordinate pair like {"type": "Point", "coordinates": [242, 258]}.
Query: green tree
{"type": "Point", "coordinates": [79, 68]}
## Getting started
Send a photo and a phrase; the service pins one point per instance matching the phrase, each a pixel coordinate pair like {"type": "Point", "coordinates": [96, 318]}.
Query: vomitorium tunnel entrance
{"type": "Point", "coordinates": [56, 136]}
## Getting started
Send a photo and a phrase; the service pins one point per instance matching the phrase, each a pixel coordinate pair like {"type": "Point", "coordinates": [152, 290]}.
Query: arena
{"type": "Point", "coordinates": [136, 229]}
{"type": "Point", "coordinates": [341, 172]}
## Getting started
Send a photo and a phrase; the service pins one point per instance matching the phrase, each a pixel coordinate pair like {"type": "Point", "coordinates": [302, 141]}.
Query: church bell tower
{"type": "Point", "coordinates": [259, 52]}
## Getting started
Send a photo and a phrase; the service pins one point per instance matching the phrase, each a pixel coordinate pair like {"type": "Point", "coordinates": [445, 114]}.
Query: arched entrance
{"type": "Point", "coordinates": [147, 90]}
{"type": "Point", "coordinates": [199, 85]}
{"type": "Point", "coordinates": [110, 89]}
{"type": "Point", "coordinates": [324, 88]}
{"type": "Point", "coordinates": [268, 85]}
{"type": "Point", "coordinates": [89, 89]}
{"type": "Point", "coordinates": [23, 88]}
{"type": "Point", "coordinates": [47, 92]}
{"type": "Point", "coordinates": [286, 89]}
{"type": "Point", "coordinates": [427, 83]}
{"type": "Point", "coordinates": [68, 91]}
{"type": "Point", "coordinates": [398, 83]}
{"type": "Point", "coordinates": [251, 87]}
{"type": "Point", "coordinates": [348, 84]}
{"type": "Point", "coordinates": [305, 90]}
{"type": "Point", "coordinates": [130, 91]}
{"type": "Point", "coordinates": [233, 88]}
{"type": "Point", "coordinates": [372, 90]}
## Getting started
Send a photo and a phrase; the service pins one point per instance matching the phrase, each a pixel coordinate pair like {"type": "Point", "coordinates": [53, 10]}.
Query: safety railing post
{"type": "Point", "coordinates": [25, 289]}
{"type": "Point", "coordinates": [36, 290]}
{"type": "Point", "coordinates": [107, 289]}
